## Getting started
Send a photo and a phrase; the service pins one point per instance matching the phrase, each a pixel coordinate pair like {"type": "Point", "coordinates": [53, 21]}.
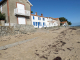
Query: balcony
{"type": "Point", "coordinates": [21, 12]}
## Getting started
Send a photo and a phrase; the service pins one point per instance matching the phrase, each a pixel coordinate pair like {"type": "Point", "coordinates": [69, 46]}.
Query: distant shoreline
{"type": "Point", "coordinates": [77, 27]}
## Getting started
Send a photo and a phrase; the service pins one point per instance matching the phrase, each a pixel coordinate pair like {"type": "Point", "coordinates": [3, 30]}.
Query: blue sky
{"type": "Point", "coordinates": [70, 9]}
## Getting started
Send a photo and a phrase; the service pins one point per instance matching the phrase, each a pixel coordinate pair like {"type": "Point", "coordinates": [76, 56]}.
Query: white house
{"type": "Point", "coordinates": [38, 21]}
{"type": "Point", "coordinates": [64, 23]}
{"type": "Point", "coordinates": [51, 22]}
{"type": "Point", "coordinates": [56, 21]}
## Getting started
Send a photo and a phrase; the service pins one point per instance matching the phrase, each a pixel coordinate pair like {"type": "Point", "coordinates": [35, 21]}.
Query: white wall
{"type": "Point", "coordinates": [65, 24]}
{"type": "Point", "coordinates": [50, 24]}
{"type": "Point", "coordinates": [41, 21]}
{"type": "Point", "coordinates": [47, 22]}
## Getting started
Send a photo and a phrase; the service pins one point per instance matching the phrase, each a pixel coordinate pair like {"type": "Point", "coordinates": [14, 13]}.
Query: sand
{"type": "Point", "coordinates": [63, 43]}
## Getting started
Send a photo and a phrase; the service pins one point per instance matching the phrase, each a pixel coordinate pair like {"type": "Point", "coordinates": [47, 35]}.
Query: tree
{"type": "Point", "coordinates": [2, 16]}
{"type": "Point", "coordinates": [69, 23]}
{"type": "Point", "coordinates": [62, 19]}
{"type": "Point", "coordinates": [31, 11]}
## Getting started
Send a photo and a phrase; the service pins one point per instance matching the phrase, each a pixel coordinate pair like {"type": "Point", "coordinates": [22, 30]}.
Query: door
{"type": "Point", "coordinates": [20, 8]}
{"type": "Point", "coordinates": [43, 24]}
{"type": "Point", "coordinates": [21, 20]}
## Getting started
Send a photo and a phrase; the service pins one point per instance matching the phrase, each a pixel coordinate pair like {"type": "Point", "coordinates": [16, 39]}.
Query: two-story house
{"type": "Point", "coordinates": [56, 21]}
{"type": "Point", "coordinates": [51, 22]}
{"type": "Point", "coordinates": [16, 11]}
{"type": "Point", "coordinates": [38, 21]}
{"type": "Point", "coordinates": [64, 23]}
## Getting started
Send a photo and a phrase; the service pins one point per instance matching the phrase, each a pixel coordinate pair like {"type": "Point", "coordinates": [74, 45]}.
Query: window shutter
{"type": "Point", "coordinates": [33, 17]}
{"type": "Point", "coordinates": [34, 23]}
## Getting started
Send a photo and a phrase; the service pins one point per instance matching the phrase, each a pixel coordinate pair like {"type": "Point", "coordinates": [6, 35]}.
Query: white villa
{"type": "Point", "coordinates": [64, 23]}
{"type": "Point", "coordinates": [53, 22]}
{"type": "Point", "coordinates": [40, 21]}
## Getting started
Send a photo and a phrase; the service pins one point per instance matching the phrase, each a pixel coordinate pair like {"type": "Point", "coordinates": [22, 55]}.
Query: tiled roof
{"type": "Point", "coordinates": [38, 15]}
{"type": "Point", "coordinates": [51, 21]}
{"type": "Point", "coordinates": [55, 18]}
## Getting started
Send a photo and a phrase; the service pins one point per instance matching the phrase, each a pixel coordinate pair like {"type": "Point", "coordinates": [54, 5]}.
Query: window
{"type": "Point", "coordinates": [33, 17]}
{"type": "Point", "coordinates": [34, 23]}
{"type": "Point", "coordinates": [39, 18]}
{"type": "Point", "coordinates": [43, 19]}
{"type": "Point", "coordinates": [40, 24]}
{"type": "Point", "coordinates": [44, 24]}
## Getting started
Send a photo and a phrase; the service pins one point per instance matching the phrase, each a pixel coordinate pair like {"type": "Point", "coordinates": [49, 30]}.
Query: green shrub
{"type": "Point", "coordinates": [2, 16]}
{"type": "Point", "coordinates": [36, 28]}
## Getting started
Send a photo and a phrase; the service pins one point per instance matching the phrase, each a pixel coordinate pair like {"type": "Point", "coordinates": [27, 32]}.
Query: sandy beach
{"type": "Point", "coordinates": [63, 43]}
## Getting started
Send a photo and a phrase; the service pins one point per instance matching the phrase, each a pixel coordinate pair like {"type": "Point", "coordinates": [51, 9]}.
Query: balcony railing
{"type": "Point", "coordinates": [21, 12]}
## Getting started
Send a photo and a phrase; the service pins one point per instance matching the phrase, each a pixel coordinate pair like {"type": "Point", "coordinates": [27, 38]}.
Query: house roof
{"type": "Point", "coordinates": [51, 21]}
{"type": "Point", "coordinates": [55, 18]}
{"type": "Point", "coordinates": [38, 15]}
{"type": "Point", "coordinates": [63, 22]}
{"type": "Point", "coordinates": [29, 2]}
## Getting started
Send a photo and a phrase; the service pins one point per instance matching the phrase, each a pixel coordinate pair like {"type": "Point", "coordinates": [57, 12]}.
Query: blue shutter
{"type": "Point", "coordinates": [33, 17]}
{"type": "Point", "coordinates": [43, 19]}
{"type": "Point", "coordinates": [38, 18]}
{"type": "Point", "coordinates": [43, 24]}
{"type": "Point", "coordinates": [34, 23]}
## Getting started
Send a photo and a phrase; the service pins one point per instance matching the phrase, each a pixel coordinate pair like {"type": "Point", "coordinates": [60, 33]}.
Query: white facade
{"type": "Point", "coordinates": [65, 24]}
{"type": "Point", "coordinates": [38, 21]}
{"type": "Point", "coordinates": [55, 22]}
{"type": "Point", "coordinates": [51, 22]}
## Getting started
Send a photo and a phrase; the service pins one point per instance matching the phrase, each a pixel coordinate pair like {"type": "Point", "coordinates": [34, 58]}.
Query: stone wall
{"type": "Point", "coordinates": [23, 29]}
{"type": "Point", "coordinates": [16, 29]}
{"type": "Point", "coordinates": [2, 22]}
{"type": "Point", "coordinates": [6, 30]}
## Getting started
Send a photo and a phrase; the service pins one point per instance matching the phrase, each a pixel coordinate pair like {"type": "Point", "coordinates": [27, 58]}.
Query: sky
{"type": "Point", "coordinates": [70, 9]}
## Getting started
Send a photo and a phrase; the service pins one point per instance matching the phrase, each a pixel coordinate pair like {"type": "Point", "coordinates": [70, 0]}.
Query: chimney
{"type": "Point", "coordinates": [42, 15]}
{"type": "Point", "coordinates": [36, 13]}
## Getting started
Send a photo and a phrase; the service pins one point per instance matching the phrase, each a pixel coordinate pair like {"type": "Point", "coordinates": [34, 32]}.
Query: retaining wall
{"type": "Point", "coordinates": [16, 29]}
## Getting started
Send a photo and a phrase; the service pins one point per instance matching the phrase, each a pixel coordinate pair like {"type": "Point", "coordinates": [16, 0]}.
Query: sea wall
{"type": "Point", "coordinates": [16, 29]}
